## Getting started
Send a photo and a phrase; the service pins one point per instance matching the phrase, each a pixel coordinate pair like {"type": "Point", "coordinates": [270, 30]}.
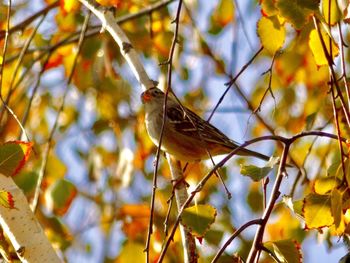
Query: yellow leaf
{"type": "Point", "coordinates": [336, 201]}
{"type": "Point", "coordinates": [70, 5]}
{"type": "Point", "coordinates": [317, 211]}
{"type": "Point", "coordinates": [325, 185]}
{"type": "Point", "coordinates": [317, 49]}
{"type": "Point", "coordinates": [131, 252]}
{"type": "Point", "coordinates": [271, 33]}
{"type": "Point", "coordinates": [199, 218]}
{"type": "Point", "coordinates": [334, 15]}
{"type": "Point", "coordinates": [224, 12]}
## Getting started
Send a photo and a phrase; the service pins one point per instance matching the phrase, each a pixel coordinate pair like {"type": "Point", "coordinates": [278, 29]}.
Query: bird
{"type": "Point", "coordinates": [186, 136]}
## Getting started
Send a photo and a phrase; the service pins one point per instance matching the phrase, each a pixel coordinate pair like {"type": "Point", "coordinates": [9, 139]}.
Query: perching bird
{"type": "Point", "coordinates": [186, 136]}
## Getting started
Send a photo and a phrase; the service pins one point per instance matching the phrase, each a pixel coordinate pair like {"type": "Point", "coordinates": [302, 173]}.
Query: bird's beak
{"type": "Point", "coordinates": [145, 97]}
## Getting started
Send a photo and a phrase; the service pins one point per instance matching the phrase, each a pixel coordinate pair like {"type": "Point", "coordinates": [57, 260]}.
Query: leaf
{"type": "Point", "coordinates": [317, 49]}
{"type": "Point", "coordinates": [254, 172]}
{"type": "Point", "coordinates": [6, 199]}
{"type": "Point", "coordinates": [317, 211]}
{"type": "Point", "coordinates": [255, 197]}
{"type": "Point", "coordinates": [336, 202]}
{"type": "Point", "coordinates": [310, 120]}
{"type": "Point", "coordinates": [13, 155]}
{"type": "Point", "coordinates": [297, 12]}
{"type": "Point", "coordinates": [287, 251]}
{"type": "Point", "coordinates": [59, 196]}
{"type": "Point", "coordinates": [199, 218]}
{"type": "Point", "coordinates": [132, 252]}
{"type": "Point", "coordinates": [325, 185]}
{"type": "Point", "coordinates": [336, 169]}
{"type": "Point", "coordinates": [214, 237]}
{"type": "Point", "coordinates": [272, 34]}
{"type": "Point", "coordinates": [68, 6]}
{"type": "Point", "coordinates": [268, 8]}
{"type": "Point", "coordinates": [222, 15]}
{"type": "Point", "coordinates": [334, 13]}
{"type": "Point", "coordinates": [135, 219]}
{"type": "Point", "coordinates": [26, 181]}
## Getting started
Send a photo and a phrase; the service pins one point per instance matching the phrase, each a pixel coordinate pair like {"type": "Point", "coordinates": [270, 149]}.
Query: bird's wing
{"type": "Point", "coordinates": [190, 124]}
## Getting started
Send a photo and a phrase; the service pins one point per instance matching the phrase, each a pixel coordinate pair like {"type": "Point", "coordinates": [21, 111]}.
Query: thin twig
{"type": "Point", "coordinates": [203, 181]}
{"type": "Point", "coordinates": [2, 71]}
{"type": "Point", "coordinates": [19, 61]}
{"type": "Point", "coordinates": [330, 66]}
{"type": "Point", "coordinates": [336, 123]}
{"type": "Point", "coordinates": [256, 246]}
{"type": "Point", "coordinates": [343, 66]}
{"type": "Point", "coordinates": [48, 144]}
{"type": "Point", "coordinates": [35, 89]}
{"type": "Point", "coordinates": [30, 19]}
{"type": "Point", "coordinates": [233, 80]}
{"type": "Point", "coordinates": [269, 88]}
{"type": "Point", "coordinates": [93, 30]}
{"type": "Point", "coordinates": [233, 236]}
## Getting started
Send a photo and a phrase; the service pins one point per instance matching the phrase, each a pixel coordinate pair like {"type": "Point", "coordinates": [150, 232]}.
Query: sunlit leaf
{"type": "Point", "coordinates": [13, 155]}
{"type": "Point", "coordinates": [325, 185]}
{"type": "Point", "coordinates": [69, 5]}
{"type": "Point", "coordinates": [6, 200]}
{"type": "Point", "coordinates": [317, 211]}
{"type": "Point", "coordinates": [254, 172]}
{"type": "Point", "coordinates": [287, 251]}
{"type": "Point", "coordinates": [132, 252]}
{"type": "Point", "coordinates": [199, 218]}
{"type": "Point", "coordinates": [317, 49]}
{"type": "Point", "coordinates": [272, 34]}
{"type": "Point", "coordinates": [333, 15]}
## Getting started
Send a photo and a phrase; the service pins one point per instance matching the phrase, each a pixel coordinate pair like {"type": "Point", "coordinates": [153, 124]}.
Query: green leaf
{"type": "Point", "coordinates": [199, 218]}
{"type": "Point", "coordinates": [272, 33]}
{"type": "Point", "coordinates": [214, 237]}
{"type": "Point", "coordinates": [26, 181]}
{"type": "Point", "coordinates": [255, 197]}
{"type": "Point", "coordinates": [13, 155]}
{"type": "Point", "coordinates": [254, 172]}
{"type": "Point", "coordinates": [310, 120]}
{"type": "Point", "coordinates": [59, 196]}
{"type": "Point", "coordinates": [297, 12]}
{"type": "Point", "coordinates": [336, 201]}
{"type": "Point", "coordinates": [287, 251]}
{"type": "Point", "coordinates": [317, 211]}
{"type": "Point", "coordinates": [336, 169]}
